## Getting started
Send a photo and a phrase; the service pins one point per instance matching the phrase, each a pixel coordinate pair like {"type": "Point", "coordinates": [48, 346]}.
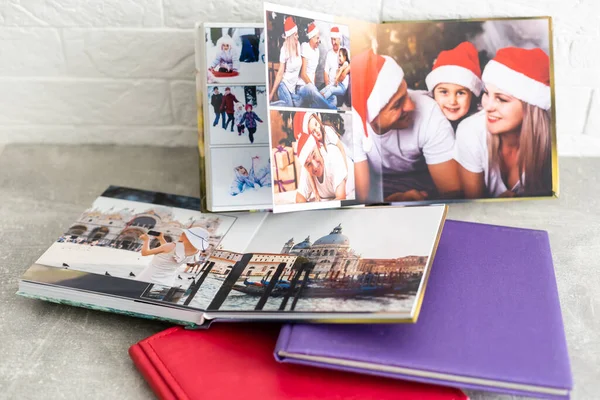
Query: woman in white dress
{"type": "Point", "coordinates": [168, 257]}
{"type": "Point", "coordinates": [505, 149]}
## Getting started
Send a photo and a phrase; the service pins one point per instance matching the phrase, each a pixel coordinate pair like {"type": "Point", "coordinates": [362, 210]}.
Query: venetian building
{"type": "Point", "coordinates": [223, 261]}
{"type": "Point", "coordinates": [121, 229]}
{"type": "Point", "coordinates": [332, 255]}
{"type": "Point", "coordinates": [300, 249]}
{"type": "Point", "coordinates": [261, 264]}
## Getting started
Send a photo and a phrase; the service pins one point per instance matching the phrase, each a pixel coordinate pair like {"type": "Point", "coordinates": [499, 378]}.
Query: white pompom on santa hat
{"type": "Point", "coordinates": [380, 79]}
{"type": "Point", "coordinates": [459, 66]}
{"type": "Point", "coordinates": [335, 33]}
{"type": "Point", "coordinates": [521, 73]}
{"type": "Point", "coordinates": [312, 30]}
{"type": "Point", "coordinates": [306, 145]}
{"type": "Point", "coordinates": [290, 27]}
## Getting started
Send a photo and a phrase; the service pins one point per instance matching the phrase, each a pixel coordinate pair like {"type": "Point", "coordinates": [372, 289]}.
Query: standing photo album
{"type": "Point", "coordinates": [155, 255]}
{"type": "Point", "coordinates": [350, 112]}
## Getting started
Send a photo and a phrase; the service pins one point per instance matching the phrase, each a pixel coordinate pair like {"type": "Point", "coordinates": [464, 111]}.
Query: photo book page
{"type": "Point", "coordinates": [156, 251]}
{"type": "Point", "coordinates": [408, 112]}
{"type": "Point", "coordinates": [234, 142]}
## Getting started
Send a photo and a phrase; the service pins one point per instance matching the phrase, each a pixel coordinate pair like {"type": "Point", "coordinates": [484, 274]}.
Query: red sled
{"type": "Point", "coordinates": [231, 74]}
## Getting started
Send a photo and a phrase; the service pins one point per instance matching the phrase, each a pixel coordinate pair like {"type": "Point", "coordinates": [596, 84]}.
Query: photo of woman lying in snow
{"type": "Point", "coordinates": [240, 176]}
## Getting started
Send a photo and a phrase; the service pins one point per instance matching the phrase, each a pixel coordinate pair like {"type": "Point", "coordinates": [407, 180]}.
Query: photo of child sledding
{"type": "Point", "coordinates": [234, 55]}
{"type": "Point", "coordinates": [238, 115]}
{"type": "Point", "coordinates": [241, 176]}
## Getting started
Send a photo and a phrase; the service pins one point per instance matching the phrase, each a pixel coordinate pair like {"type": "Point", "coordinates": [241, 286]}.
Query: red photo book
{"type": "Point", "coordinates": [231, 361]}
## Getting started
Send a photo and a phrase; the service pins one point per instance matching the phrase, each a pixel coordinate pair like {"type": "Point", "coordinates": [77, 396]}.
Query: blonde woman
{"type": "Point", "coordinates": [505, 149]}
{"type": "Point", "coordinates": [290, 65]}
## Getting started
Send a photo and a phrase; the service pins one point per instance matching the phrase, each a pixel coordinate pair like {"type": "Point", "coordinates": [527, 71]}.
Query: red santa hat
{"type": "Point", "coordinates": [335, 33]}
{"type": "Point", "coordinates": [312, 30]}
{"type": "Point", "coordinates": [380, 79]}
{"type": "Point", "coordinates": [459, 66]}
{"type": "Point", "coordinates": [248, 106]}
{"type": "Point", "coordinates": [301, 119]}
{"type": "Point", "coordinates": [306, 145]}
{"type": "Point", "coordinates": [290, 27]}
{"type": "Point", "coordinates": [521, 73]}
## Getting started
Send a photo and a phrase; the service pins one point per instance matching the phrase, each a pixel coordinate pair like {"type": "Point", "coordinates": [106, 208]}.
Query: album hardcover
{"type": "Point", "coordinates": [234, 360]}
{"type": "Point", "coordinates": [491, 321]}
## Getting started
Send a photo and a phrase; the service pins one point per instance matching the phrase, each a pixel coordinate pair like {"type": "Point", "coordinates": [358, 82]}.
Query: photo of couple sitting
{"type": "Point", "coordinates": [473, 133]}
{"type": "Point", "coordinates": [305, 71]}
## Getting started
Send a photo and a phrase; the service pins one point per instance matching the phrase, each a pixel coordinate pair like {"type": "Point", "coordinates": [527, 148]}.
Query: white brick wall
{"type": "Point", "coordinates": [122, 71]}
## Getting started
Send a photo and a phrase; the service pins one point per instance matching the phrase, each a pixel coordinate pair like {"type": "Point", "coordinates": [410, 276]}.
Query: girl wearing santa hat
{"type": "Point", "coordinates": [505, 149]}
{"type": "Point", "coordinates": [290, 64]}
{"type": "Point", "coordinates": [324, 134]}
{"type": "Point", "coordinates": [455, 82]}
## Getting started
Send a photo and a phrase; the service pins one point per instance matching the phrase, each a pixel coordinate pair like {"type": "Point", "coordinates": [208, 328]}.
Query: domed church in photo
{"type": "Point", "coordinates": [332, 255]}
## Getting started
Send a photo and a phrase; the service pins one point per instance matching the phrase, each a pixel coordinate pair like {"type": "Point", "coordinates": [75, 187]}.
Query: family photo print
{"type": "Point", "coordinates": [438, 110]}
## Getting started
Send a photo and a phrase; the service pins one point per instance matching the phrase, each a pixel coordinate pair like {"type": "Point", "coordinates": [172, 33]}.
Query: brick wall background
{"type": "Point", "coordinates": [122, 71]}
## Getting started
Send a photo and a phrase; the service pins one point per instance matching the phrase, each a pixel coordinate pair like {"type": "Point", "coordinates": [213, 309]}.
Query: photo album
{"type": "Point", "coordinates": [309, 111]}
{"type": "Point", "coordinates": [156, 255]}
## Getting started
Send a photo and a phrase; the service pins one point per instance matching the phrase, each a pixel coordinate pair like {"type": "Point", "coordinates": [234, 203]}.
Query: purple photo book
{"type": "Point", "coordinates": [490, 320]}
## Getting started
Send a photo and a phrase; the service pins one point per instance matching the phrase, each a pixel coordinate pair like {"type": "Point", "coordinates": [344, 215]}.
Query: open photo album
{"type": "Point", "coordinates": [361, 113]}
{"type": "Point", "coordinates": [155, 255]}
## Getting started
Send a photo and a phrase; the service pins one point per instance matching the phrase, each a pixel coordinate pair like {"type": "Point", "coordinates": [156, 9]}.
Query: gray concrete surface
{"type": "Point", "coordinates": [50, 351]}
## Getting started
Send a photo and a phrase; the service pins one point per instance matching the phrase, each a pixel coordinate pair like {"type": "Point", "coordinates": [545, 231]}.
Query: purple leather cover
{"type": "Point", "coordinates": [491, 311]}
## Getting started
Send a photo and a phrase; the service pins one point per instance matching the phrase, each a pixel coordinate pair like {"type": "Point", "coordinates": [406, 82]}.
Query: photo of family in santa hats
{"type": "Point", "coordinates": [476, 130]}
{"type": "Point", "coordinates": [309, 63]}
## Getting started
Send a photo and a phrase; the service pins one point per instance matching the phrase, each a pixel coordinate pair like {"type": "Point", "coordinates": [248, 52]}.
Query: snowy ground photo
{"type": "Point", "coordinates": [241, 176]}
{"type": "Point", "coordinates": [220, 134]}
{"type": "Point", "coordinates": [235, 55]}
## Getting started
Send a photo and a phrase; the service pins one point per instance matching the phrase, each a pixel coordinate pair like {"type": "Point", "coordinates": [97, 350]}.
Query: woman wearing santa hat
{"type": "Point", "coordinates": [455, 82]}
{"type": "Point", "coordinates": [324, 134]}
{"type": "Point", "coordinates": [505, 149]}
{"type": "Point", "coordinates": [290, 64]}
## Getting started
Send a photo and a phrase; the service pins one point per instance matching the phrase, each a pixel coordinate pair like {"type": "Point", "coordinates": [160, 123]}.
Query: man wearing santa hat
{"type": "Point", "coordinates": [403, 143]}
{"type": "Point", "coordinates": [331, 61]}
{"type": "Point", "coordinates": [324, 173]}
{"type": "Point", "coordinates": [308, 92]}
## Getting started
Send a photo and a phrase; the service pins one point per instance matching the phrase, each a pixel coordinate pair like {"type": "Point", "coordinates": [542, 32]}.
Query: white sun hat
{"type": "Point", "coordinates": [198, 237]}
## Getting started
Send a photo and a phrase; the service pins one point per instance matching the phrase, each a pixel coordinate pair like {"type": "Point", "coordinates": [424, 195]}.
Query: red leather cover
{"type": "Point", "coordinates": [236, 360]}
